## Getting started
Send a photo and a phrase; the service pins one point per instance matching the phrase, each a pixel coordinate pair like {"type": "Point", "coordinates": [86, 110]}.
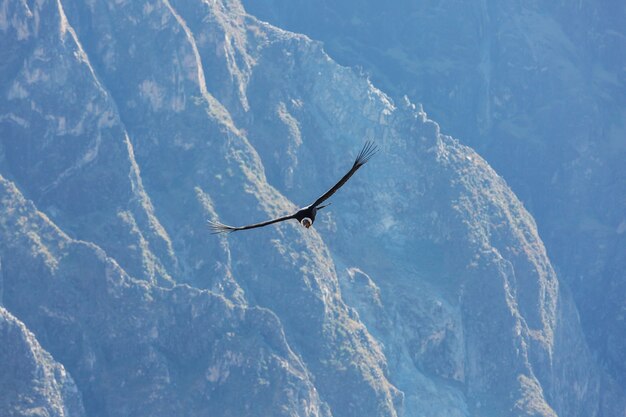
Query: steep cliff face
{"type": "Point", "coordinates": [424, 288]}
{"type": "Point", "coordinates": [537, 89]}
{"type": "Point", "coordinates": [137, 349]}
{"type": "Point", "coordinates": [32, 383]}
{"type": "Point", "coordinates": [191, 154]}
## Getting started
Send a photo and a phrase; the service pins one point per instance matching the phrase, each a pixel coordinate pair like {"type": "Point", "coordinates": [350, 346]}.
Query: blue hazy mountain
{"type": "Point", "coordinates": [425, 289]}
{"type": "Point", "coordinates": [539, 90]}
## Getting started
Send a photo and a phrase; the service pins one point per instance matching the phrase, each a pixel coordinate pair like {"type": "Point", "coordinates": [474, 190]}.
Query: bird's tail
{"type": "Point", "coordinates": [325, 205]}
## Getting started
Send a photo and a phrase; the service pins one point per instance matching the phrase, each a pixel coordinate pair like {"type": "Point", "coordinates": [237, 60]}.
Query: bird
{"type": "Point", "coordinates": [306, 215]}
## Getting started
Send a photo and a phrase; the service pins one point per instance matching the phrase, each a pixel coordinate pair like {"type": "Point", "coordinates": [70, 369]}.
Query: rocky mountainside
{"type": "Point", "coordinates": [538, 89]}
{"type": "Point", "coordinates": [32, 382]}
{"type": "Point", "coordinates": [423, 290]}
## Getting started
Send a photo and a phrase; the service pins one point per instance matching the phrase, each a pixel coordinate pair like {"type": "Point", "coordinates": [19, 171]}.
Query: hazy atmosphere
{"type": "Point", "coordinates": [471, 264]}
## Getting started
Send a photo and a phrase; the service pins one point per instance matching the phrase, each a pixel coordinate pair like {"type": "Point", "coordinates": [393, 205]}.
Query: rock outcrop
{"type": "Point", "coordinates": [424, 288]}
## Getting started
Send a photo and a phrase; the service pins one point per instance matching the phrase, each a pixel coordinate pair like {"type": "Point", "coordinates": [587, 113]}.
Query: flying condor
{"type": "Point", "coordinates": [306, 215]}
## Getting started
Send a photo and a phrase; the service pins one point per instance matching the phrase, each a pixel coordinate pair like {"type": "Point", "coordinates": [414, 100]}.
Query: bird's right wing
{"type": "Point", "coordinates": [217, 227]}
{"type": "Point", "coordinates": [369, 149]}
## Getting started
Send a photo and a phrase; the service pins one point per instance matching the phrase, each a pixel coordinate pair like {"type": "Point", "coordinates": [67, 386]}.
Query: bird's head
{"type": "Point", "coordinates": [306, 222]}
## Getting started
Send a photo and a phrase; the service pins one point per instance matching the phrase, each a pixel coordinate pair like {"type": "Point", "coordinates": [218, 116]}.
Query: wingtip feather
{"type": "Point", "coordinates": [217, 228]}
{"type": "Point", "coordinates": [369, 149]}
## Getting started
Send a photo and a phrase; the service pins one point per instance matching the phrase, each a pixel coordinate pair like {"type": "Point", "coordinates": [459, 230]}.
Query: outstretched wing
{"type": "Point", "coordinates": [217, 227]}
{"type": "Point", "coordinates": [369, 149]}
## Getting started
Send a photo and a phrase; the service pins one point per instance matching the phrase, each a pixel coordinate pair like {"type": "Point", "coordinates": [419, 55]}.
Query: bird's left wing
{"type": "Point", "coordinates": [217, 227]}
{"type": "Point", "coordinates": [369, 149]}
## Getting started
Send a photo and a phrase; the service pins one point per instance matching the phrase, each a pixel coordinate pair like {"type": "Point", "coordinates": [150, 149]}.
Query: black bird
{"type": "Point", "coordinates": [306, 215]}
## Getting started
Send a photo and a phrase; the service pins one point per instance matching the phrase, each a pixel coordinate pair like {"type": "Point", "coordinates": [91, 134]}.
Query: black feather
{"type": "Point", "coordinates": [366, 153]}
{"type": "Point", "coordinates": [368, 150]}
